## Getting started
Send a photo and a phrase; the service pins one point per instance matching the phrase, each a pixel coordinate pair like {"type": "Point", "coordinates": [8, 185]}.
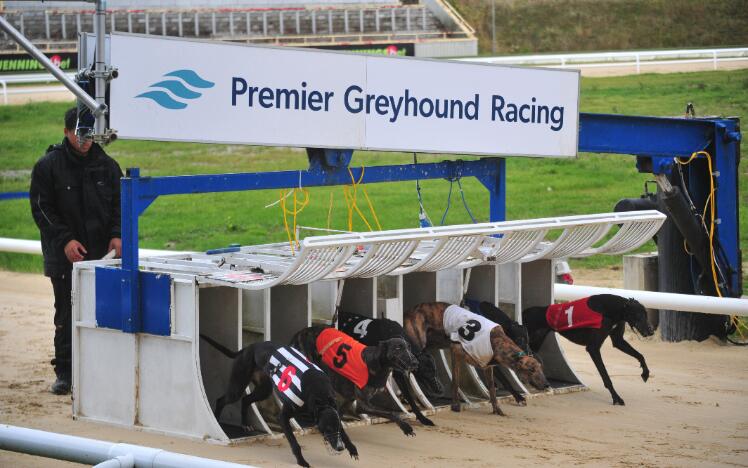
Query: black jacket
{"type": "Point", "coordinates": [75, 197]}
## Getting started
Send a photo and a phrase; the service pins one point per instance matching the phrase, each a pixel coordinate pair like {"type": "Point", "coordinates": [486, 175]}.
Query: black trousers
{"type": "Point", "coordinates": [63, 359]}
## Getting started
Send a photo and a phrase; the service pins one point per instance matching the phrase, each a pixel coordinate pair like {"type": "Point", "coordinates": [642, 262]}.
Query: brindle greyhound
{"type": "Point", "coordinates": [380, 361]}
{"type": "Point", "coordinates": [424, 324]}
{"type": "Point", "coordinates": [616, 312]}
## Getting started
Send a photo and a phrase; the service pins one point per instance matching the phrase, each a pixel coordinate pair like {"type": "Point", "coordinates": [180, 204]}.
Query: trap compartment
{"type": "Point", "coordinates": [530, 284]}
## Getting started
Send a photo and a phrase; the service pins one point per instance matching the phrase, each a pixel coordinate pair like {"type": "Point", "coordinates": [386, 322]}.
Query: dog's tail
{"type": "Point", "coordinates": [223, 350]}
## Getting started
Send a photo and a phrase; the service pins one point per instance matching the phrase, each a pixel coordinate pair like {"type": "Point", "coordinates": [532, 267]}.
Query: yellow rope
{"type": "Point", "coordinates": [293, 240]}
{"type": "Point", "coordinates": [351, 200]}
{"type": "Point", "coordinates": [329, 211]}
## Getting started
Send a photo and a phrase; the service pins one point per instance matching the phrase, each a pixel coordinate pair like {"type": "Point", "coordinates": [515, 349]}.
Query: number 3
{"type": "Point", "coordinates": [467, 331]}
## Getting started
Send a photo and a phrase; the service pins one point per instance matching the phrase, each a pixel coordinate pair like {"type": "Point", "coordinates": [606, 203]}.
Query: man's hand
{"type": "Point", "coordinates": [75, 251]}
{"type": "Point", "coordinates": [116, 244]}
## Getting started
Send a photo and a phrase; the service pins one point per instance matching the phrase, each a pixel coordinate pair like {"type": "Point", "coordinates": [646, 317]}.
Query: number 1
{"type": "Point", "coordinates": [569, 311]}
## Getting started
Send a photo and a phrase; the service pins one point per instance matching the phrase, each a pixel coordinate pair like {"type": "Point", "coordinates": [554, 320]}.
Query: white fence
{"type": "Point", "coordinates": [622, 59]}
{"type": "Point", "coordinates": [29, 78]}
{"type": "Point", "coordinates": [589, 60]}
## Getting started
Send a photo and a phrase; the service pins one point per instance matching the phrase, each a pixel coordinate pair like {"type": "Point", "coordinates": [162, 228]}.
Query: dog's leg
{"type": "Point", "coordinates": [285, 424]}
{"type": "Point", "coordinates": [488, 373]}
{"type": "Point", "coordinates": [594, 351]}
{"type": "Point", "coordinates": [455, 351]}
{"type": "Point", "coordinates": [364, 399]}
{"type": "Point", "coordinates": [616, 336]}
{"type": "Point", "coordinates": [518, 397]}
{"type": "Point", "coordinates": [402, 383]}
{"type": "Point", "coordinates": [348, 444]}
{"type": "Point", "coordinates": [261, 392]}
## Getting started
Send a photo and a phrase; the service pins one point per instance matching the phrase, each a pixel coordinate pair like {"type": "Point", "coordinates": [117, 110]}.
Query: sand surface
{"type": "Point", "coordinates": [692, 412]}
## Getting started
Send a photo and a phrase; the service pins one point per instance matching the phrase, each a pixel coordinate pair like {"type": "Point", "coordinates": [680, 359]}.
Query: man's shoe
{"type": "Point", "coordinates": [61, 386]}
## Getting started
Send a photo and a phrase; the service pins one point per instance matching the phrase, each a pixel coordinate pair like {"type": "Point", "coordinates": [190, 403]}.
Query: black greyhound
{"type": "Point", "coordinates": [576, 322]}
{"type": "Point", "coordinates": [372, 331]}
{"type": "Point", "coordinates": [305, 390]}
{"type": "Point", "coordinates": [376, 362]}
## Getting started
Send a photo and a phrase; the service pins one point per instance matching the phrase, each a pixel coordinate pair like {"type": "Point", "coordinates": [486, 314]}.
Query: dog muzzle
{"type": "Point", "coordinates": [328, 445]}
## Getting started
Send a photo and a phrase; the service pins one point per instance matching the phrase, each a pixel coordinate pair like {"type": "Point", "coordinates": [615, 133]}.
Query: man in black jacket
{"type": "Point", "coordinates": [75, 202]}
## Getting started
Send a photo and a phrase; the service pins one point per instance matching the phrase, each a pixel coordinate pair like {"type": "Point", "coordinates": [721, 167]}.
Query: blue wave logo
{"type": "Point", "coordinates": [175, 84]}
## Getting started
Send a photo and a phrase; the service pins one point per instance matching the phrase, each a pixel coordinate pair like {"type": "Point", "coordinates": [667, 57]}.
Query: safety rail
{"type": "Point", "coordinates": [622, 59]}
{"type": "Point", "coordinates": [28, 78]}
{"type": "Point", "coordinates": [403, 251]}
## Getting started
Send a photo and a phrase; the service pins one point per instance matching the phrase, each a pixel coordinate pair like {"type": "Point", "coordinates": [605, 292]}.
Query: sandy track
{"type": "Point", "coordinates": [692, 412]}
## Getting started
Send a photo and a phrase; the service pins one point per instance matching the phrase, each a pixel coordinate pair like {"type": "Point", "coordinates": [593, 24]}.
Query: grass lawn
{"type": "Point", "coordinates": [535, 187]}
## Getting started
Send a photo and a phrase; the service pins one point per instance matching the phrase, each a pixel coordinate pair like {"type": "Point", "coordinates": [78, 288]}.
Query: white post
{"type": "Point", "coordinates": [638, 66]}
{"type": "Point", "coordinates": [714, 55]}
{"type": "Point", "coordinates": [5, 91]}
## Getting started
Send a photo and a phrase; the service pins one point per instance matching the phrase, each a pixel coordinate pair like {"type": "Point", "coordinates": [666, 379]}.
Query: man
{"type": "Point", "coordinates": [75, 202]}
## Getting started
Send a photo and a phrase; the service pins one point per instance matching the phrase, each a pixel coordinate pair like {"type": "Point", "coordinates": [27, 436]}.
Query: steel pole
{"type": "Point", "coordinates": [100, 67]}
{"type": "Point", "coordinates": [97, 108]}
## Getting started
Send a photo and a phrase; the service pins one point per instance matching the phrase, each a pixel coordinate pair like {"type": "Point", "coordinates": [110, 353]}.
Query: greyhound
{"type": "Point", "coordinates": [357, 372]}
{"type": "Point", "coordinates": [372, 331]}
{"type": "Point", "coordinates": [517, 333]}
{"type": "Point", "coordinates": [588, 322]}
{"type": "Point", "coordinates": [302, 387]}
{"type": "Point", "coordinates": [479, 341]}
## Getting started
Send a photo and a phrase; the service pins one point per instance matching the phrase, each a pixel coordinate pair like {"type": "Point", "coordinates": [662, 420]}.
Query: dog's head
{"type": "Point", "coordinates": [636, 315]}
{"type": "Point", "coordinates": [396, 351]}
{"type": "Point", "coordinates": [328, 422]}
{"type": "Point", "coordinates": [426, 373]}
{"type": "Point", "coordinates": [530, 371]}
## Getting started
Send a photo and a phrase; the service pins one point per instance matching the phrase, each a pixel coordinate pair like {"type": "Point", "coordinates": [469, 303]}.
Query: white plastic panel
{"type": "Point", "coordinates": [169, 394]}
{"type": "Point", "coordinates": [106, 375]}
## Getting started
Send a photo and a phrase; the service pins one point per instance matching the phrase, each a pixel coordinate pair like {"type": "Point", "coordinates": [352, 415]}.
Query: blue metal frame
{"type": "Point", "coordinates": [655, 141]}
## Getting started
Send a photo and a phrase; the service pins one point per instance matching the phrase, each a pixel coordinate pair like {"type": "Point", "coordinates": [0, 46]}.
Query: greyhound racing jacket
{"type": "Point", "coordinates": [472, 331]}
{"type": "Point", "coordinates": [287, 368]}
{"type": "Point", "coordinates": [572, 315]}
{"type": "Point", "coordinates": [343, 354]}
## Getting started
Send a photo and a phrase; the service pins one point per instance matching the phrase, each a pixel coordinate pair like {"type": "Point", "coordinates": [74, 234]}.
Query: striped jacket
{"type": "Point", "coordinates": [288, 369]}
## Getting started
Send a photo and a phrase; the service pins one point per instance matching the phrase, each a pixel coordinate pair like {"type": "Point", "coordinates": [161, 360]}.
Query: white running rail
{"type": "Point", "coordinates": [29, 78]}
{"type": "Point", "coordinates": [622, 59]}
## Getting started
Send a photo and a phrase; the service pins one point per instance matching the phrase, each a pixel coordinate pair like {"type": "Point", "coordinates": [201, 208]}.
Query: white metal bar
{"type": "Point", "coordinates": [92, 451]}
{"type": "Point", "coordinates": [659, 300]}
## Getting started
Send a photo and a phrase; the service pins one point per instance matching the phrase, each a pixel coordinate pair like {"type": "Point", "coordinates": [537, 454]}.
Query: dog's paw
{"type": "Point", "coordinates": [645, 375]}
{"type": "Point", "coordinates": [498, 412]}
{"type": "Point", "coordinates": [521, 401]}
{"type": "Point", "coordinates": [354, 454]}
{"type": "Point", "coordinates": [303, 463]}
{"type": "Point", "coordinates": [618, 401]}
{"type": "Point", "coordinates": [407, 429]}
{"type": "Point", "coordinates": [426, 421]}
{"type": "Point", "coordinates": [248, 428]}
{"type": "Point", "coordinates": [455, 407]}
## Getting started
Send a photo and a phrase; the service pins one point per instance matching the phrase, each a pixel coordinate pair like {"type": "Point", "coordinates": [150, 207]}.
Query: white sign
{"type": "Point", "coordinates": [184, 90]}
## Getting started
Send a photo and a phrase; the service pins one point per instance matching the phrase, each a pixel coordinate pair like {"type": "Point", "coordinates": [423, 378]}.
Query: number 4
{"type": "Point", "coordinates": [360, 328]}
{"type": "Point", "coordinates": [569, 311]}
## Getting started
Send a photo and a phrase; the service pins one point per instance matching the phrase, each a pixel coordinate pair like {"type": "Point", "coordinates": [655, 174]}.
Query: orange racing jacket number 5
{"type": "Point", "coordinates": [342, 354]}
